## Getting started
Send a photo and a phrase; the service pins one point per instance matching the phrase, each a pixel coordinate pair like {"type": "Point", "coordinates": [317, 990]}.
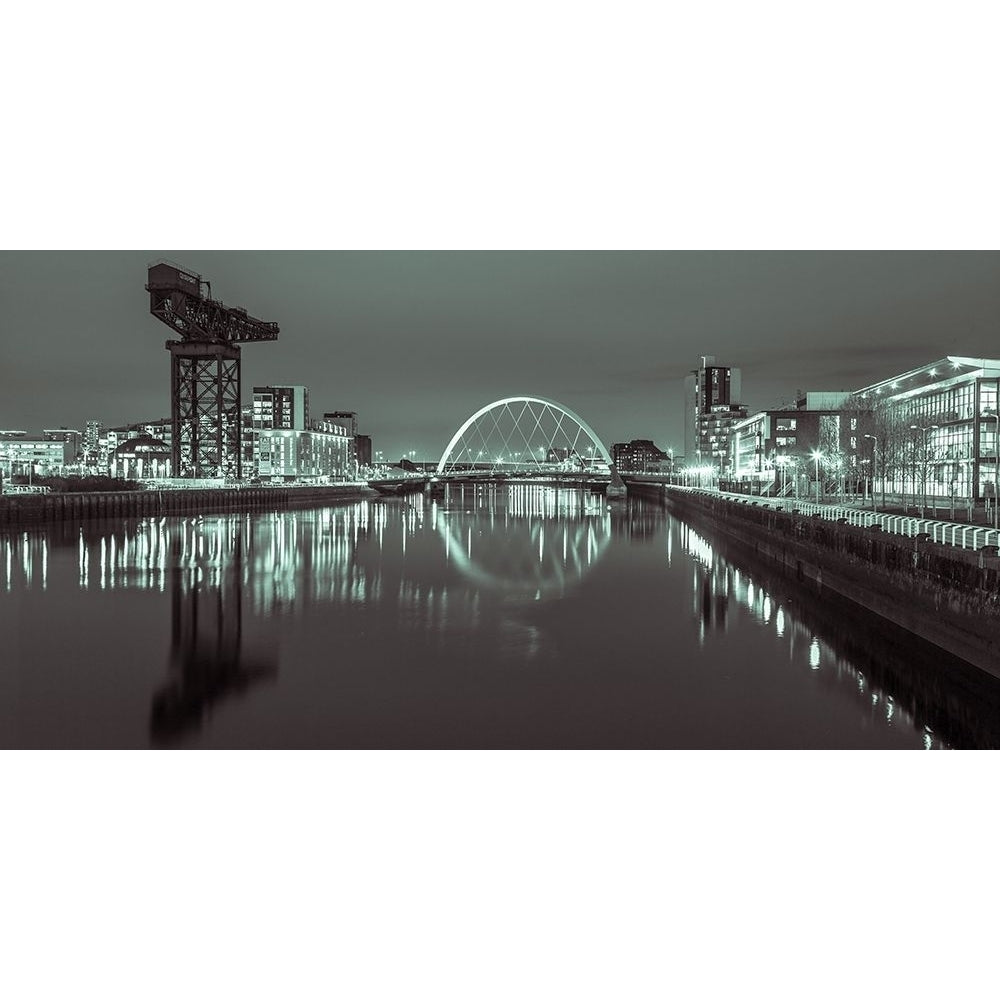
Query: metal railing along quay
{"type": "Point", "coordinates": [964, 536]}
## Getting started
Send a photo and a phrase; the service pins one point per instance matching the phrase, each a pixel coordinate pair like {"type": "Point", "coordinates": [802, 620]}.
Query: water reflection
{"type": "Point", "coordinates": [853, 651]}
{"type": "Point", "coordinates": [206, 665]}
{"type": "Point", "coordinates": [25, 559]}
{"type": "Point", "coordinates": [473, 585]}
{"type": "Point", "coordinates": [535, 547]}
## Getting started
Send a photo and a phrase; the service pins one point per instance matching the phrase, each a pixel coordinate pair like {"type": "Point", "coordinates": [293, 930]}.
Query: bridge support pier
{"type": "Point", "coordinates": [616, 488]}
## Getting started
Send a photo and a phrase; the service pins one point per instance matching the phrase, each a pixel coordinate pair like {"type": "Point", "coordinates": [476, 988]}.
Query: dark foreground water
{"type": "Point", "coordinates": [505, 617]}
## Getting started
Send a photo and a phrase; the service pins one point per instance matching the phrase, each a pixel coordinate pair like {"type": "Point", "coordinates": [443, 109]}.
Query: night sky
{"type": "Point", "coordinates": [416, 341]}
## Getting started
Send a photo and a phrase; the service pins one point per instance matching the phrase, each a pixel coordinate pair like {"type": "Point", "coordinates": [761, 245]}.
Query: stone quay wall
{"type": "Point", "coordinates": [24, 509]}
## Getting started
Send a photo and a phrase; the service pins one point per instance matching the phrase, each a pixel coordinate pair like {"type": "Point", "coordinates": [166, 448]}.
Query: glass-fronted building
{"type": "Point", "coordinates": [937, 427]}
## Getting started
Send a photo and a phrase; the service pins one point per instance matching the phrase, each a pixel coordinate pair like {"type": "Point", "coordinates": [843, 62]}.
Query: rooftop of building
{"type": "Point", "coordinates": [951, 368]}
{"type": "Point", "coordinates": [136, 424]}
{"type": "Point", "coordinates": [30, 439]}
{"type": "Point", "coordinates": [142, 445]}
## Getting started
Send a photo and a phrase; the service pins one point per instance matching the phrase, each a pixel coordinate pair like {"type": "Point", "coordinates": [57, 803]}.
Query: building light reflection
{"type": "Point", "coordinates": [714, 582]}
{"type": "Point", "coordinates": [814, 654]}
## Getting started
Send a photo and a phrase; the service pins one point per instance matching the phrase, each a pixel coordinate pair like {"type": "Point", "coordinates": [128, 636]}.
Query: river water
{"type": "Point", "coordinates": [493, 617]}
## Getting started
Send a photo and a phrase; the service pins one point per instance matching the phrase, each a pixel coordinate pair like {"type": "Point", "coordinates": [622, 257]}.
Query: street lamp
{"type": "Point", "coordinates": [995, 414]}
{"type": "Point", "coordinates": [781, 461]}
{"type": "Point", "coordinates": [875, 469]}
{"type": "Point", "coordinates": [816, 456]}
{"type": "Point", "coordinates": [929, 427]}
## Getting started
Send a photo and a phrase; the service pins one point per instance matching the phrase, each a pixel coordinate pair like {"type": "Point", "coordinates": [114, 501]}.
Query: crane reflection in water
{"type": "Point", "coordinates": [202, 563]}
{"type": "Point", "coordinates": [207, 662]}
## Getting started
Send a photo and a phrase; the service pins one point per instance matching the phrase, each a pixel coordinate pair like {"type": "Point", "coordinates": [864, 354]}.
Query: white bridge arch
{"type": "Point", "coordinates": [523, 432]}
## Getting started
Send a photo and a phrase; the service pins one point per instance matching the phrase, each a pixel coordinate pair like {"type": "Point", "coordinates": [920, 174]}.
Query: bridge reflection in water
{"type": "Point", "coordinates": [538, 544]}
{"type": "Point", "coordinates": [515, 575]}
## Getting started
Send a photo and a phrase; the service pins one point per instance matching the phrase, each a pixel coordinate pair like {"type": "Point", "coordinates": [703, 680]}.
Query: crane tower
{"type": "Point", "coordinates": [204, 370]}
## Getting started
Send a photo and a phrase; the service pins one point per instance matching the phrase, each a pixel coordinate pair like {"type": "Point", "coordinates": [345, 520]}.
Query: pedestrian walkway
{"type": "Point", "coordinates": [960, 513]}
{"type": "Point", "coordinates": [974, 534]}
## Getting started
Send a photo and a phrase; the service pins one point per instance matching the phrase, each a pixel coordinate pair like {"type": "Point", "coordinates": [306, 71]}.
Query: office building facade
{"type": "Point", "coordinates": [73, 438]}
{"type": "Point", "coordinates": [814, 446]}
{"type": "Point", "coordinates": [22, 454]}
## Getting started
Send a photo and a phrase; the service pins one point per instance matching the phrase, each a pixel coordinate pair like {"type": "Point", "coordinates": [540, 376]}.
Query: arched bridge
{"type": "Point", "coordinates": [523, 437]}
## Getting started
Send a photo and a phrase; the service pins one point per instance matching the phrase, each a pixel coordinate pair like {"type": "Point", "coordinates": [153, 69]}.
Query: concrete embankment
{"type": "Point", "coordinates": [946, 595]}
{"type": "Point", "coordinates": [17, 510]}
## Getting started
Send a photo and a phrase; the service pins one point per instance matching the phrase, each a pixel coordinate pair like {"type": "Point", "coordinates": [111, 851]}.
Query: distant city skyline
{"type": "Point", "coordinates": [414, 342]}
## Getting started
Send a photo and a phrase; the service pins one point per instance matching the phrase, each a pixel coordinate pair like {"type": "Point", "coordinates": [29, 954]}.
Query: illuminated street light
{"type": "Point", "coordinates": [875, 469]}
{"type": "Point", "coordinates": [781, 461]}
{"type": "Point", "coordinates": [929, 427]}
{"type": "Point", "coordinates": [817, 455]}
{"type": "Point", "coordinates": [995, 414]}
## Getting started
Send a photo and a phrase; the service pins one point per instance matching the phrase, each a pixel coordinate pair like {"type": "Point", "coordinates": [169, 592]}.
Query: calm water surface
{"type": "Point", "coordinates": [496, 617]}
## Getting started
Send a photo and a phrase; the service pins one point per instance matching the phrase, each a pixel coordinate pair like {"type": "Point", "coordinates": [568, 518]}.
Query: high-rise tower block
{"type": "Point", "coordinates": [204, 370]}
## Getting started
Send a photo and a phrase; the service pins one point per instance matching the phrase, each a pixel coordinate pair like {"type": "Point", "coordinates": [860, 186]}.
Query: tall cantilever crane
{"type": "Point", "coordinates": [204, 370]}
